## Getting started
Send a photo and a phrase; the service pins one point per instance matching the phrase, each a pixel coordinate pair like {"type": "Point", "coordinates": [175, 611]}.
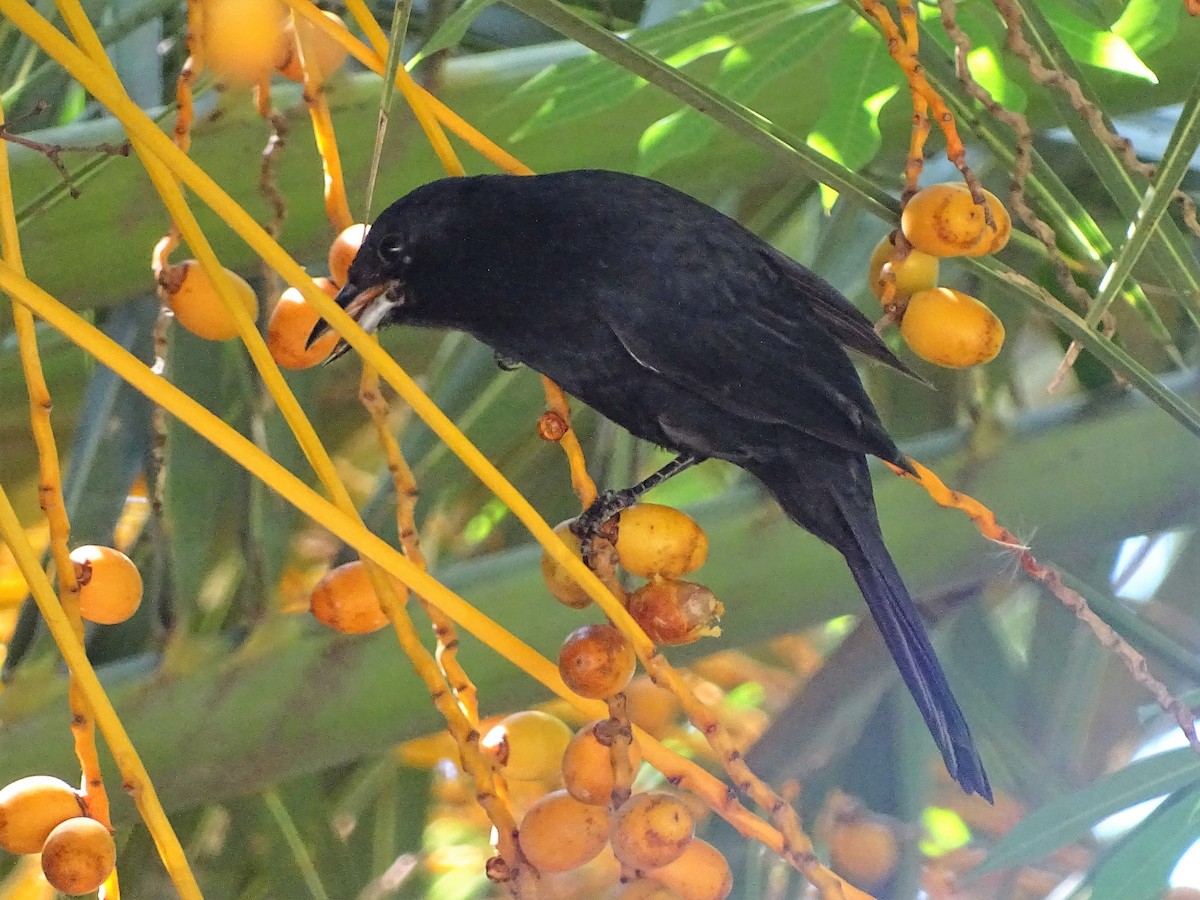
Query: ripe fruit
{"type": "Point", "coordinates": [561, 584]}
{"type": "Point", "coordinates": [559, 833]}
{"type": "Point", "coordinates": [292, 321]}
{"type": "Point", "coordinates": [110, 585]}
{"type": "Point", "coordinates": [917, 272]}
{"type": "Point", "coordinates": [651, 830]}
{"type": "Point", "coordinates": [863, 850]}
{"type": "Point", "coordinates": [345, 600]}
{"type": "Point", "coordinates": [650, 707]}
{"type": "Point", "coordinates": [587, 765]}
{"type": "Point", "coordinates": [244, 40]}
{"type": "Point", "coordinates": [187, 289]}
{"type": "Point", "coordinates": [645, 889]}
{"type": "Point", "coordinates": [950, 328]}
{"type": "Point", "coordinates": [323, 53]}
{"type": "Point", "coordinates": [528, 745]}
{"type": "Point", "coordinates": [700, 873]}
{"type": "Point", "coordinates": [343, 250]}
{"type": "Point", "coordinates": [596, 661]}
{"type": "Point", "coordinates": [943, 220]}
{"type": "Point", "coordinates": [32, 807]}
{"type": "Point", "coordinates": [78, 855]}
{"type": "Point", "coordinates": [676, 612]}
{"type": "Point", "coordinates": [655, 540]}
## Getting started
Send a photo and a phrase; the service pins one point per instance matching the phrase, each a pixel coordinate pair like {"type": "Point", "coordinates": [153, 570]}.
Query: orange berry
{"type": "Point", "coordinates": [559, 581]}
{"type": "Point", "coordinates": [917, 272]}
{"type": "Point", "coordinates": [559, 833]}
{"type": "Point", "coordinates": [676, 612]}
{"type": "Point", "coordinates": [650, 707]}
{"type": "Point", "coordinates": [343, 250]}
{"type": "Point", "coordinates": [944, 220]}
{"type": "Point", "coordinates": [78, 855]}
{"type": "Point", "coordinates": [587, 765]}
{"type": "Point", "coordinates": [291, 323]}
{"type": "Point", "coordinates": [345, 600]}
{"type": "Point", "coordinates": [655, 540]}
{"type": "Point", "coordinates": [110, 585]}
{"type": "Point", "coordinates": [700, 873]}
{"type": "Point", "coordinates": [645, 889]}
{"type": "Point", "coordinates": [187, 289]}
{"type": "Point", "coordinates": [528, 745]}
{"type": "Point", "coordinates": [596, 661]}
{"type": "Point", "coordinates": [863, 850]}
{"type": "Point", "coordinates": [244, 40]}
{"type": "Point", "coordinates": [950, 328]}
{"type": "Point", "coordinates": [323, 52]}
{"type": "Point", "coordinates": [651, 830]}
{"type": "Point", "coordinates": [32, 807]}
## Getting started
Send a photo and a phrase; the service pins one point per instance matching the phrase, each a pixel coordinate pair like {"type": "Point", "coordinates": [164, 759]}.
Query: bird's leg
{"type": "Point", "coordinates": [592, 520]}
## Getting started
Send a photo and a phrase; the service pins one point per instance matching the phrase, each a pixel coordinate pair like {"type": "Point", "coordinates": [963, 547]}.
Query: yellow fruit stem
{"type": "Point", "coordinates": [337, 206]}
{"type": "Point", "coordinates": [417, 97]}
{"type": "Point", "coordinates": [374, 60]}
{"type": "Point", "coordinates": [50, 496]}
{"type": "Point", "coordinates": [556, 403]}
{"type": "Point", "coordinates": [133, 772]}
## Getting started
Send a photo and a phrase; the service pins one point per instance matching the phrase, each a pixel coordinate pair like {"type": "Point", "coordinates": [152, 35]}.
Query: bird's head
{"type": "Point", "coordinates": [374, 292]}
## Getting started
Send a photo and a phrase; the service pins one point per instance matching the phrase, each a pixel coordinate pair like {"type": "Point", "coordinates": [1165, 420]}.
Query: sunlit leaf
{"type": "Point", "coordinates": [1096, 46]}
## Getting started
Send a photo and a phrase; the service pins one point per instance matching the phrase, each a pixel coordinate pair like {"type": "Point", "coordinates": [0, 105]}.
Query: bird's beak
{"type": "Point", "coordinates": [366, 306]}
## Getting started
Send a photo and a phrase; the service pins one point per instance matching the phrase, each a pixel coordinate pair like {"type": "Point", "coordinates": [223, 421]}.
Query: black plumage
{"type": "Point", "coordinates": [677, 323]}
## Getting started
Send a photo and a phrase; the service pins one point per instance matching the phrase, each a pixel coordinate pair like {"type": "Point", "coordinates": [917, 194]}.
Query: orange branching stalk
{"type": "Point", "coordinates": [50, 496]}
{"type": "Point", "coordinates": [556, 426]}
{"type": "Point", "coordinates": [405, 486]}
{"type": "Point", "coordinates": [985, 520]}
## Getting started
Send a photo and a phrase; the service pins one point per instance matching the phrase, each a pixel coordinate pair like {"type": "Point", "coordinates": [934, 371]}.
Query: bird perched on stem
{"type": "Point", "coordinates": [678, 324]}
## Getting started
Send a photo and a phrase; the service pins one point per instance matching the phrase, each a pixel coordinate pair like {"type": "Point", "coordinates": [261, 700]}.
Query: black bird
{"type": "Point", "coordinates": [678, 324]}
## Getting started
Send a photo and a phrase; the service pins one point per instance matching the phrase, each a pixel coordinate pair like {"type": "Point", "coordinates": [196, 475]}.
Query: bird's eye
{"type": "Point", "coordinates": [392, 250]}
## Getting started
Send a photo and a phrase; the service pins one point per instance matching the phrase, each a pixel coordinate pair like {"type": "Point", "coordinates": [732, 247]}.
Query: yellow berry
{"type": "Point", "coordinates": [863, 850]}
{"type": "Point", "coordinates": [676, 612]}
{"type": "Point", "coordinates": [700, 873]}
{"type": "Point", "coordinates": [187, 289]}
{"type": "Point", "coordinates": [651, 830]}
{"type": "Point", "coordinates": [528, 745]}
{"type": "Point", "coordinates": [110, 585]}
{"type": "Point", "coordinates": [917, 272]}
{"type": "Point", "coordinates": [559, 833]}
{"type": "Point", "coordinates": [944, 220]}
{"type": "Point", "coordinates": [292, 321]}
{"type": "Point", "coordinates": [587, 764]}
{"type": "Point", "coordinates": [32, 807]}
{"type": "Point", "coordinates": [78, 855]}
{"type": "Point", "coordinates": [323, 53]}
{"type": "Point", "coordinates": [343, 250]}
{"type": "Point", "coordinates": [244, 40]}
{"type": "Point", "coordinates": [559, 581]}
{"type": "Point", "coordinates": [346, 601]}
{"type": "Point", "coordinates": [950, 328]}
{"type": "Point", "coordinates": [596, 661]}
{"type": "Point", "coordinates": [658, 541]}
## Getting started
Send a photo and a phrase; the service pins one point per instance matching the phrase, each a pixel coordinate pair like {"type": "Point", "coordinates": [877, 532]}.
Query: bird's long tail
{"type": "Point", "coordinates": [838, 508]}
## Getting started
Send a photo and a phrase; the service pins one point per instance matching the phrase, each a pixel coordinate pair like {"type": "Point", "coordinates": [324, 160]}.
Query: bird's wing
{"type": "Point", "coordinates": [747, 340]}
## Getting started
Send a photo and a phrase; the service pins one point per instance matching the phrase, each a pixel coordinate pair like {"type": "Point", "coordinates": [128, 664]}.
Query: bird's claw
{"type": "Point", "coordinates": [597, 521]}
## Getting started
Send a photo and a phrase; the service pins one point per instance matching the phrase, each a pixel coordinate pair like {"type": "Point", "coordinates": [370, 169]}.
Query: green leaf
{"type": "Point", "coordinates": [745, 70]}
{"type": "Point", "coordinates": [451, 31]}
{"type": "Point", "coordinates": [581, 87]}
{"type": "Point", "coordinates": [1071, 817]}
{"type": "Point", "coordinates": [1146, 25]}
{"type": "Point", "coordinates": [1096, 46]}
{"type": "Point", "coordinates": [863, 80]}
{"type": "Point", "coordinates": [1139, 866]}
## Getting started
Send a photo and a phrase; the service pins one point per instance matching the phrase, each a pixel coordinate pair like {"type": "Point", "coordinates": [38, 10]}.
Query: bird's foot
{"type": "Point", "coordinates": [507, 363]}
{"type": "Point", "coordinates": [598, 520]}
